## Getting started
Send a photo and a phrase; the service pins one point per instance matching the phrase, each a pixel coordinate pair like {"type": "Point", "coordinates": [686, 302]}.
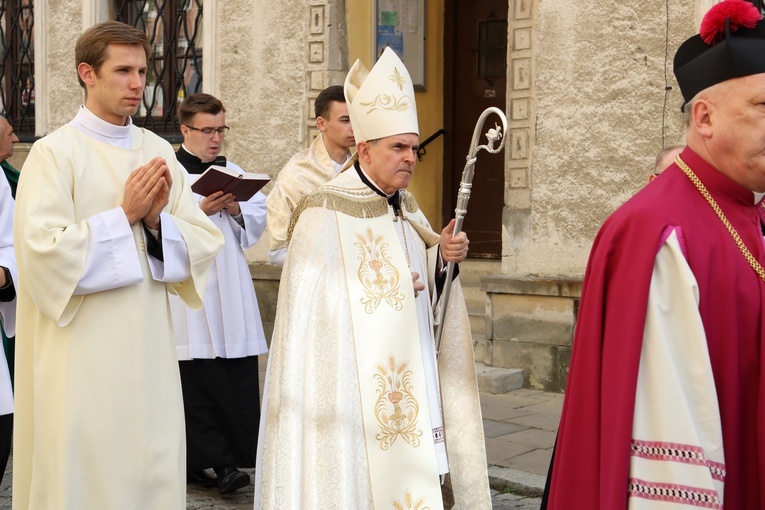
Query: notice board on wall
{"type": "Point", "coordinates": [400, 24]}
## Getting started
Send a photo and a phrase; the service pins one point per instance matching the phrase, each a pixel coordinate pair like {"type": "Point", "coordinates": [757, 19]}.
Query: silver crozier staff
{"type": "Point", "coordinates": [492, 135]}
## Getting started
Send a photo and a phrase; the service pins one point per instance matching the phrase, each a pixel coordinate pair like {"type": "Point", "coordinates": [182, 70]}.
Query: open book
{"type": "Point", "coordinates": [219, 178]}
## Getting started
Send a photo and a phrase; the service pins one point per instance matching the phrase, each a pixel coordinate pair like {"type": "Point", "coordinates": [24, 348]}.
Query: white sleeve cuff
{"type": "Point", "coordinates": [176, 266]}
{"type": "Point", "coordinates": [112, 259]}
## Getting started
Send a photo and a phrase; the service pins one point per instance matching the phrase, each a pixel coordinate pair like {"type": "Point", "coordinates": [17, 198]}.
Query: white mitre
{"type": "Point", "coordinates": [381, 101]}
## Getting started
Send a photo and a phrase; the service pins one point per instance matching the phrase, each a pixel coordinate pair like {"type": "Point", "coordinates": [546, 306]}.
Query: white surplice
{"type": "Point", "coordinates": [99, 413]}
{"type": "Point", "coordinates": [8, 308]}
{"type": "Point", "coordinates": [677, 458]}
{"type": "Point", "coordinates": [229, 324]}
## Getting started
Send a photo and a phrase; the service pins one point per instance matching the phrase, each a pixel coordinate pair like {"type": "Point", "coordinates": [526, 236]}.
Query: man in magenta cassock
{"type": "Point", "coordinates": [665, 402]}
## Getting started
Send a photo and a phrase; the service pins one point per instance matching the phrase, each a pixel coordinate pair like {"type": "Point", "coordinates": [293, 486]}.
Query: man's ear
{"type": "Point", "coordinates": [87, 74]}
{"type": "Point", "coordinates": [702, 116]}
{"type": "Point", "coordinates": [362, 148]}
{"type": "Point", "coordinates": [321, 124]}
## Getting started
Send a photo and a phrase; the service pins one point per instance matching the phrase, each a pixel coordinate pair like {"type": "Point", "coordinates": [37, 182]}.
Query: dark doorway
{"type": "Point", "coordinates": [475, 78]}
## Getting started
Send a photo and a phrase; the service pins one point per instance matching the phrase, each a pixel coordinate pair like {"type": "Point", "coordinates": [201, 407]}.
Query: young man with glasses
{"type": "Point", "coordinates": [218, 346]}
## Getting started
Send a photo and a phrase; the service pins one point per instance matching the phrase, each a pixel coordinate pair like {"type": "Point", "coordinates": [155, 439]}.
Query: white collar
{"type": "Point", "coordinates": [99, 126]}
{"type": "Point", "coordinates": [757, 197]}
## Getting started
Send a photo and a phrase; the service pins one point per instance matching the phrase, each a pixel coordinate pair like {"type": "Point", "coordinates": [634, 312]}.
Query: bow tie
{"type": "Point", "coordinates": [193, 164]}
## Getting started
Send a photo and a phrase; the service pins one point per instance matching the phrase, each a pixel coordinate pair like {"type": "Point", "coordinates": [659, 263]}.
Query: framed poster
{"type": "Point", "coordinates": [400, 24]}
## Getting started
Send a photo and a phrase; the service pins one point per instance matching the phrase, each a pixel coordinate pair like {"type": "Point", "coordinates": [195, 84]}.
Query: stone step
{"type": "Point", "coordinates": [498, 380]}
{"type": "Point", "coordinates": [477, 323]}
{"type": "Point", "coordinates": [475, 299]}
{"type": "Point", "coordinates": [472, 270]}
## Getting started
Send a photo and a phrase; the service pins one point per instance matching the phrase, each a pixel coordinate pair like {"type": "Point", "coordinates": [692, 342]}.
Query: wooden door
{"type": "Point", "coordinates": [475, 77]}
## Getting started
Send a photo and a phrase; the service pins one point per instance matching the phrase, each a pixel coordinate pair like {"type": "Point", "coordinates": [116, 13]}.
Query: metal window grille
{"type": "Point", "coordinates": [492, 48]}
{"type": "Point", "coordinates": [17, 68]}
{"type": "Point", "coordinates": [174, 28]}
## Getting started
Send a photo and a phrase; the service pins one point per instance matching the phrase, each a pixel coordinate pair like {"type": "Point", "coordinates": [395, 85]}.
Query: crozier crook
{"type": "Point", "coordinates": [463, 195]}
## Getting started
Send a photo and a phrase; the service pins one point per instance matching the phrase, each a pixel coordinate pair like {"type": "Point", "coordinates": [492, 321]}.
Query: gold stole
{"type": "Point", "coordinates": [403, 472]}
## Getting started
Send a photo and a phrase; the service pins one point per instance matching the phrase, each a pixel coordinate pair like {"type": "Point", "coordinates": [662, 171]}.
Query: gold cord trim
{"type": "Point", "coordinates": [410, 204]}
{"type": "Point", "coordinates": [357, 203]}
{"type": "Point", "coordinates": [716, 208]}
{"type": "Point", "coordinates": [363, 206]}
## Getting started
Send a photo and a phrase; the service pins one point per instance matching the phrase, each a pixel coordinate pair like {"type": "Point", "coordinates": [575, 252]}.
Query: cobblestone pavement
{"type": "Point", "coordinates": [209, 499]}
{"type": "Point", "coordinates": [520, 430]}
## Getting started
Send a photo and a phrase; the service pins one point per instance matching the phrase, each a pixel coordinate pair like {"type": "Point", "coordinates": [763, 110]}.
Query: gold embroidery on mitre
{"type": "Point", "coordinates": [397, 78]}
{"type": "Point", "coordinates": [388, 102]}
{"type": "Point", "coordinates": [377, 274]}
{"type": "Point", "coordinates": [394, 393]}
{"type": "Point", "coordinates": [409, 502]}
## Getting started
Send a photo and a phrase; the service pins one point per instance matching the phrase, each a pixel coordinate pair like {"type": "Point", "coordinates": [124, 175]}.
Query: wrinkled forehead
{"type": "Point", "coordinates": [402, 139]}
{"type": "Point", "coordinates": [752, 86]}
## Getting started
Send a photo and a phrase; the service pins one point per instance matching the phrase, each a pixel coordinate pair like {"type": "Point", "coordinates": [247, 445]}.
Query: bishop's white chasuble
{"type": "Point", "coordinates": [347, 412]}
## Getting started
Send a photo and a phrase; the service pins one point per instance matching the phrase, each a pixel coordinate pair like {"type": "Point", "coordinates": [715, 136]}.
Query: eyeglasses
{"type": "Point", "coordinates": [208, 131]}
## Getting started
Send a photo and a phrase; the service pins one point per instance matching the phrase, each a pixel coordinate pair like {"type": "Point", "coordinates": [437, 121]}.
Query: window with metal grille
{"type": "Point", "coordinates": [17, 68]}
{"type": "Point", "coordinates": [174, 28]}
{"type": "Point", "coordinates": [492, 48]}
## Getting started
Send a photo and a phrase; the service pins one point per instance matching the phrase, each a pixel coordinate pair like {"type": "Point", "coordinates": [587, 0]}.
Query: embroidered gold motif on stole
{"type": "Point", "coordinates": [394, 393]}
{"type": "Point", "coordinates": [409, 503]}
{"type": "Point", "coordinates": [377, 274]}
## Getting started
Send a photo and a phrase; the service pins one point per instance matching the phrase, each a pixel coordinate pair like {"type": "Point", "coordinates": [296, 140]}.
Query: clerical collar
{"type": "Point", "coordinates": [393, 199]}
{"type": "Point", "coordinates": [758, 197]}
{"type": "Point", "coordinates": [99, 126]}
{"type": "Point", "coordinates": [193, 164]}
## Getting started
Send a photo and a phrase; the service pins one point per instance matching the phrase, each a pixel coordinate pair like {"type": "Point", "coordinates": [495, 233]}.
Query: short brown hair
{"type": "Point", "coordinates": [199, 103]}
{"type": "Point", "coordinates": [92, 45]}
{"type": "Point", "coordinates": [323, 103]}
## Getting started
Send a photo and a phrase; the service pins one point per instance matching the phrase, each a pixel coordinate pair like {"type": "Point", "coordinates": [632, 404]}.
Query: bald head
{"type": "Point", "coordinates": [665, 157]}
{"type": "Point", "coordinates": [7, 139]}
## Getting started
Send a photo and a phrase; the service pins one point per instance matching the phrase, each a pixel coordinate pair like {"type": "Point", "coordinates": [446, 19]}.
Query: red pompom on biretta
{"type": "Point", "coordinates": [740, 12]}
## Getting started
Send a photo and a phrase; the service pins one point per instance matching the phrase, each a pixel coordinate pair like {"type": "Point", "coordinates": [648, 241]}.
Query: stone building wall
{"type": "Point", "coordinates": [587, 104]}
{"type": "Point", "coordinates": [592, 99]}
{"type": "Point", "coordinates": [58, 24]}
{"type": "Point", "coordinates": [269, 62]}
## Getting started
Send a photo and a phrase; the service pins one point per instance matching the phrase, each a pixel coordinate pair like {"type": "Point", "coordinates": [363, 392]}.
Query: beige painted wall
{"type": "Point", "coordinates": [599, 101]}
{"type": "Point", "coordinates": [427, 184]}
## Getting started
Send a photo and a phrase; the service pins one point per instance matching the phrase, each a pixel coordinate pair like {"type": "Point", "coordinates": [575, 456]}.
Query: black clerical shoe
{"type": "Point", "coordinates": [231, 479]}
{"type": "Point", "coordinates": [200, 479]}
